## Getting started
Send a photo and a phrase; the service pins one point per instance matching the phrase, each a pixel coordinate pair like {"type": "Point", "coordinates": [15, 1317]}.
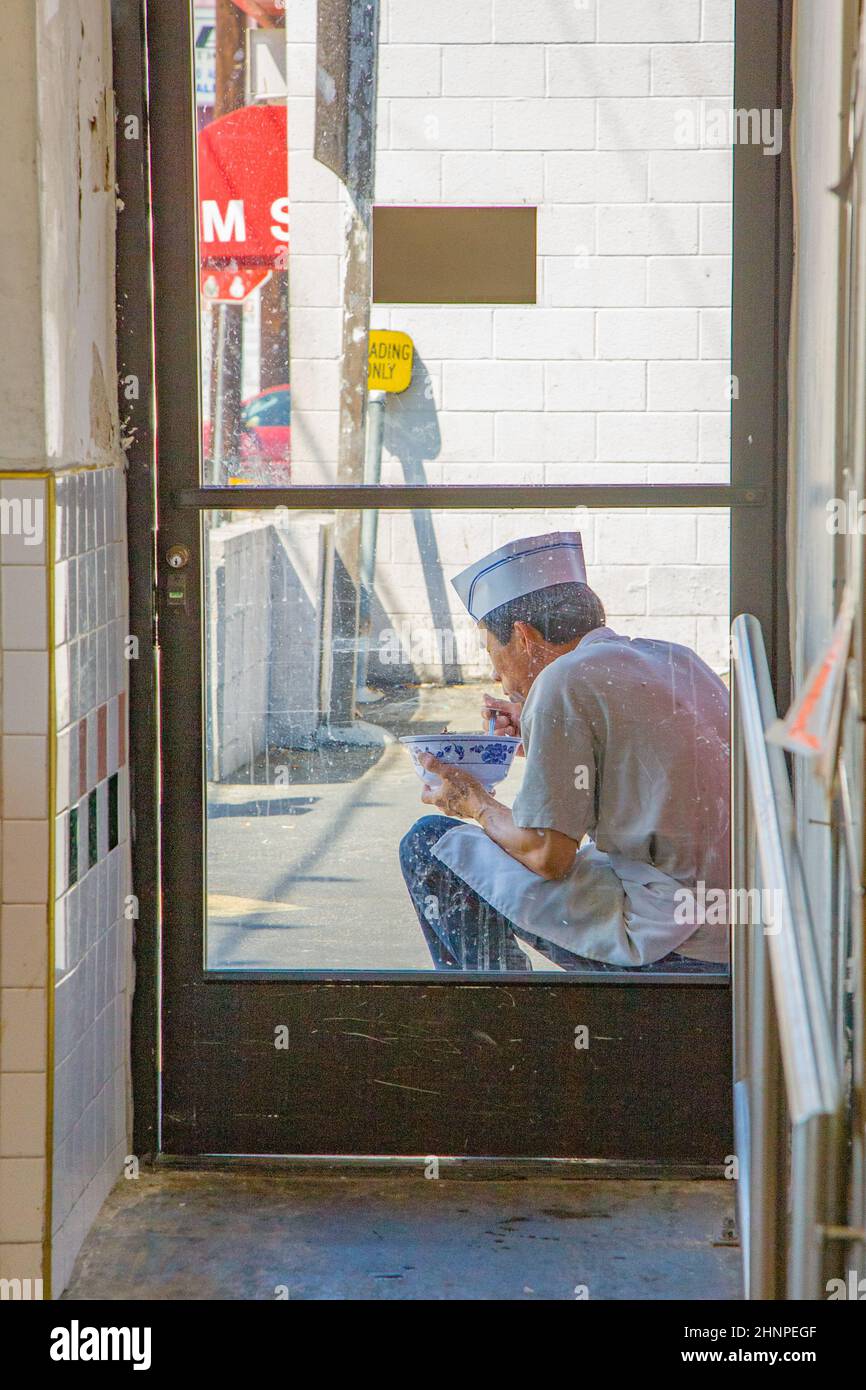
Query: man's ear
{"type": "Point", "coordinates": [526, 635]}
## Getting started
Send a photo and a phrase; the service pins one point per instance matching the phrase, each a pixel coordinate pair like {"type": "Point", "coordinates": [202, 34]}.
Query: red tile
{"type": "Point", "coordinates": [101, 743]}
{"type": "Point", "coordinates": [82, 757]}
{"type": "Point", "coordinates": [121, 728]}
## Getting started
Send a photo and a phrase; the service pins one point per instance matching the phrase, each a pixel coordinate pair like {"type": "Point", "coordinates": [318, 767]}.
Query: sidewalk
{"type": "Point", "coordinates": [303, 871]}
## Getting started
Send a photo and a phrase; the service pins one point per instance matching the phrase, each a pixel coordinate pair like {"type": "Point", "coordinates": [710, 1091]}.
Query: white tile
{"type": "Point", "coordinates": [23, 1041]}
{"type": "Point", "coordinates": [23, 521]}
{"type": "Point", "coordinates": [63, 685]}
{"type": "Point", "coordinates": [112, 736]}
{"type": "Point", "coordinates": [22, 1198]}
{"type": "Point", "coordinates": [23, 946]}
{"type": "Point", "coordinates": [25, 776]}
{"type": "Point", "coordinates": [25, 861]}
{"type": "Point", "coordinates": [61, 859]}
{"type": "Point", "coordinates": [25, 692]}
{"type": "Point", "coordinates": [22, 1260]}
{"type": "Point", "coordinates": [61, 600]}
{"type": "Point", "coordinates": [25, 608]}
{"type": "Point", "coordinates": [102, 822]}
{"type": "Point", "coordinates": [22, 1114]}
{"type": "Point", "coordinates": [62, 782]}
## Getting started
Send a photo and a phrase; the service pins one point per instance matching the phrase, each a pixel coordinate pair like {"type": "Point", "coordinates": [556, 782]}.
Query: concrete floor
{"type": "Point", "coordinates": [247, 1235]}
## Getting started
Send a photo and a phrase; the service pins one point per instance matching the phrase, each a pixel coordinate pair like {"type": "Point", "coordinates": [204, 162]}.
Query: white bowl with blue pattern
{"type": "Point", "coordinates": [487, 756]}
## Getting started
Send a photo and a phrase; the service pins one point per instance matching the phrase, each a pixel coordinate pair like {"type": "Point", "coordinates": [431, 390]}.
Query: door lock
{"type": "Point", "coordinates": [177, 557]}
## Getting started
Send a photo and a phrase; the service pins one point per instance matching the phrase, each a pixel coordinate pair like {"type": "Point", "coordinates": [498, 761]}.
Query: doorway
{"type": "Point", "coordinates": [299, 1012]}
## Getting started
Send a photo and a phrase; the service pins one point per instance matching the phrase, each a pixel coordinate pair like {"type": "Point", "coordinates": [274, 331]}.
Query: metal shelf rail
{"type": "Point", "coordinates": [788, 1095]}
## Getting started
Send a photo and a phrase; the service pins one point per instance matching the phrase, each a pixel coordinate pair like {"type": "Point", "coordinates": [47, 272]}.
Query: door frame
{"type": "Point", "coordinates": [762, 250]}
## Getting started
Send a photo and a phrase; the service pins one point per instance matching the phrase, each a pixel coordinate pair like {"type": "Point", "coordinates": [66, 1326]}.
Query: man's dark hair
{"type": "Point", "coordinates": [562, 613]}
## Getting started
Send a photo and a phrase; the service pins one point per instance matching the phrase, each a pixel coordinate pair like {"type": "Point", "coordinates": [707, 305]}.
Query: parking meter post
{"type": "Point", "coordinates": [369, 532]}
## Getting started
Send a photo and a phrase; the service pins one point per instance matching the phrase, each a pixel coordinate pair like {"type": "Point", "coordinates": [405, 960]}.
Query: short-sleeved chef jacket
{"type": "Point", "coordinates": [628, 751]}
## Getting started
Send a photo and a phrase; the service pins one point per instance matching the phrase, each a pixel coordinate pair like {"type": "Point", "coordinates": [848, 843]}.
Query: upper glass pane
{"type": "Point", "coordinates": [544, 221]}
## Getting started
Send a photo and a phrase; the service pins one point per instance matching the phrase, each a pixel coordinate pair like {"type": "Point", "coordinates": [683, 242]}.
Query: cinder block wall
{"type": "Point", "coordinates": [594, 113]}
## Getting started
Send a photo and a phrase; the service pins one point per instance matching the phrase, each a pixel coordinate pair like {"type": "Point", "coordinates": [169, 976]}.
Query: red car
{"type": "Point", "coordinates": [265, 441]}
{"type": "Point", "coordinates": [266, 426]}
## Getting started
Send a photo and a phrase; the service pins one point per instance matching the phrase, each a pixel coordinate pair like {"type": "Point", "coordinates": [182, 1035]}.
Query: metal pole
{"type": "Point", "coordinates": [353, 25]}
{"type": "Point", "coordinates": [369, 532]}
{"type": "Point", "coordinates": [217, 368]}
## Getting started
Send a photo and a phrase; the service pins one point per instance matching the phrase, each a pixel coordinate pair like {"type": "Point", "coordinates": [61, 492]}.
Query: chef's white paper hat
{"type": "Point", "coordinates": [521, 567]}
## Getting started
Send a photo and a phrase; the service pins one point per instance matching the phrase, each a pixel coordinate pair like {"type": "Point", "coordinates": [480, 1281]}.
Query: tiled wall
{"type": "Point", "coordinates": [24, 925]}
{"type": "Point", "coordinates": [66, 881]}
{"type": "Point", "coordinates": [93, 912]}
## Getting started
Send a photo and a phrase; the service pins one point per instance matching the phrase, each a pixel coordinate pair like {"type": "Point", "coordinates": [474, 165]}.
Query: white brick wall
{"type": "Point", "coordinates": [591, 112]}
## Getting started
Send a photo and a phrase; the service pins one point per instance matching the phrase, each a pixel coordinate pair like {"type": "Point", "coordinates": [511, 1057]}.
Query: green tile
{"type": "Point", "coordinates": [112, 811]}
{"type": "Point", "coordinates": [73, 846]}
{"type": "Point", "coordinates": [92, 829]}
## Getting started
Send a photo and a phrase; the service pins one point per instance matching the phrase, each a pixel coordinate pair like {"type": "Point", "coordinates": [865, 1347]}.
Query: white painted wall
{"type": "Point", "coordinates": [619, 373]}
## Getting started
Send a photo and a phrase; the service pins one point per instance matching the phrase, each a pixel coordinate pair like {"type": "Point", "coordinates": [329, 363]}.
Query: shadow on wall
{"type": "Point", "coordinates": [412, 435]}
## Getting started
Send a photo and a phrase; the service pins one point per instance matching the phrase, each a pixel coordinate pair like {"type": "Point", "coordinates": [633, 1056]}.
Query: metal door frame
{"type": "Point", "coordinates": [144, 49]}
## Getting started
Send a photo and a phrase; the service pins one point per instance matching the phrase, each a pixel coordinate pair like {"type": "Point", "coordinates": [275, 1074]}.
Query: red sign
{"type": "Point", "coordinates": [227, 286]}
{"type": "Point", "coordinates": [243, 179]}
{"type": "Point", "coordinates": [262, 9]}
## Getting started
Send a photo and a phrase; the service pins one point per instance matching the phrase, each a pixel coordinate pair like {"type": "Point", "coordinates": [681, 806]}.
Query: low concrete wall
{"type": "Point", "coordinates": [265, 594]}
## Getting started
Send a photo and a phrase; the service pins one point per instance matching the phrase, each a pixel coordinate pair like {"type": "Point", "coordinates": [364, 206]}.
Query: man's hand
{"type": "Point", "coordinates": [460, 794]}
{"type": "Point", "coordinates": [507, 714]}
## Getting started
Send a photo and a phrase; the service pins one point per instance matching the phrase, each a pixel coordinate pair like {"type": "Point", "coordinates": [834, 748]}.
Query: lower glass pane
{"type": "Point", "coordinates": [309, 690]}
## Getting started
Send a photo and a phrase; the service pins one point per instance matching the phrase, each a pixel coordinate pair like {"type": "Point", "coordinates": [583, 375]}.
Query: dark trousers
{"type": "Point", "coordinates": [463, 932]}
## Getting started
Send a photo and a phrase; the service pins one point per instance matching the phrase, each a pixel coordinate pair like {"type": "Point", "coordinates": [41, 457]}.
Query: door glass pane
{"type": "Point", "coordinates": [545, 225]}
{"type": "Point", "coordinates": [332, 636]}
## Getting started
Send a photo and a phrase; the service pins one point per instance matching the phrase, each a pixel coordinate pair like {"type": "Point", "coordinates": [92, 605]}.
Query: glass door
{"type": "Point", "coordinates": [425, 292]}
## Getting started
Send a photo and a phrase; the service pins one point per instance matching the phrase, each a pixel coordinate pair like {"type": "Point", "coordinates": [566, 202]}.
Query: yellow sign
{"type": "Point", "coordinates": [389, 365]}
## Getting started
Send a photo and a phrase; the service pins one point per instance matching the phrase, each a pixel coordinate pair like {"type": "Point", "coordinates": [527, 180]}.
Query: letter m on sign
{"type": "Point", "coordinates": [216, 227]}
